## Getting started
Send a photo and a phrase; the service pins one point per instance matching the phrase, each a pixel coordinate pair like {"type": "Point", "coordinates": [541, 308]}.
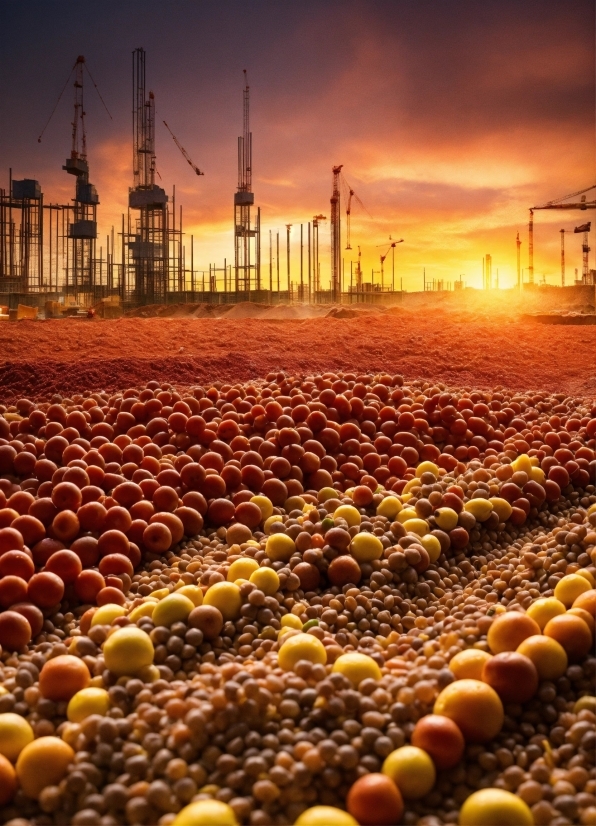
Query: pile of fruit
{"type": "Point", "coordinates": [327, 600]}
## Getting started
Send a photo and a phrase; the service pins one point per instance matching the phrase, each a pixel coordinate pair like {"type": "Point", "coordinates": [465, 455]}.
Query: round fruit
{"type": "Point", "coordinates": [474, 707]}
{"type": "Point", "coordinates": [513, 676]}
{"type": "Point", "coordinates": [15, 734]}
{"type": "Point", "coordinates": [8, 781]}
{"type": "Point", "coordinates": [412, 771]}
{"type": "Point", "coordinates": [570, 587]}
{"type": "Point", "coordinates": [43, 763]}
{"type": "Point", "coordinates": [495, 807]}
{"type": "Point", "coordinates": [468, 664]}
{"type": "Point", "coordinates": [544, 610]}
{"type": "Point", "coordinates": [206, 813]}
{"type": "Point", "coordinates": [572, 633]}
{"type": "Point", "coordinates": [324, 816]}
{"type": "Point", "coordinates": [375, 800]}
{"type": "Point", "coordinates": [301, 647]}
{"type": "Point", "coordinates": [62, 676]}
{"type": "Point", "coordinates": [173, 608]}
{"type": "Point", "coordinates": [440, 737]}
{"type": "Point", "coordinates": [357, 667]}
{"type": "Point", "coordinates": [548, 656]}
{"type": "Point", "coordinates": [225, 596]}
{"type": "Point", "coordinates": [509, 630]}
{"type": "Point", "coordinates": [88, 701]}
{"type": "Point", "coordinates": [127, 650]}
{"type": "Point", "coordinates": [365, 547]}
{"type": "Point", "coordinates": [279, 547]}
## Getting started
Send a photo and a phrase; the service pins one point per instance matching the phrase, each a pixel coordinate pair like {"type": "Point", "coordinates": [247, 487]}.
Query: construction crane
{"type": "Point", "coordinates": [185, 154]}
{"type": "Point", "coordinates": [557, 203]}
{"type": "Point", "coordinates": [383, 257]}
{"type": "Point", "coordinates": [351, 194]}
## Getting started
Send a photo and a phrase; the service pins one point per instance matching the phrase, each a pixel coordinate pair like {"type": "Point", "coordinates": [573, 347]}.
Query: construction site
{"type": "Point", "coordinates": [55, 262]}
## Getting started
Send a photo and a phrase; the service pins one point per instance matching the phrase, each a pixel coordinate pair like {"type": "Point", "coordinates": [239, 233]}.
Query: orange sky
{"type": "Point", "coordinates": [450, 119]}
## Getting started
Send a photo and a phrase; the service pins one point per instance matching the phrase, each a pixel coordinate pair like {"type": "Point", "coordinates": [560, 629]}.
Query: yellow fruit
{"type": "Point", "coordinates": [468, 664]}
{"type": "Point", "coordinates": [266, 580]}
{"type": "Point", "coordinates": [446, 519]}
{"type": "Point", "coordinates": [269, 522]}
{"type": "Point", "coordinates": [549, 656]}
{"type": "Point", "coordinates": [587, 575]}
{"type": "Point", "coordinates": [225, 596]}
{"type": "Point", "coordinates": [326, 493]}
{"type": "Point", "coordinates": [291, 621]}
{"type": "Point", "coordinates": [427, 467]}
{"type": "Point", "coordinates": [242, 569]}
{"type": "Point", "coordinates": [418, 526]}
{"type": "Point", "coordinates": [173, 608]}
{"type": "Point", "coordinates": [264, 504]}
{"type": "Point", "coordinates": [349, 513]}
{"type": "Point", "coordinates": [410, 485]}
{"type": "Point", "coordinates": [544, 610]}
{"type": "Point", "coordinates": [206, 813]}
{"type": "Point", "coordinates": [365, 547]}
{"type": "Point", "coordinates": [587, 702]}
{"type": "Point", "coordinates": [106, 614]}
{"type": "Point", "coordinates": [128, 650]}
{"type": "Point", "coordinates": [407, 513]}
{"type": "Point", "coordinates": [412, 771]}
{"type": "Point", "coordinates": [523, 463]}
{"type": "Point", "coordinates": [481, 509]}
{"type": "Point", "coordinates": [144, 610]}
{"type": "Point", "coordinates": [280, 547]}
{"type": "Point", "coordinates": [193, 592]}
{"type": "Point", "coordinates": [15, 734]}
{"type": "Point", "coordinates": [389, 507]}
{"type": "Point", "coordinates": [43, 763]}
{"type": "Point", "coordinates": [568, 589]}
{"type": "Point", "coordinates": [324, 816]}
{"type": "Point", "coordinates": [432, 546]}
{"type": "Point", "coordinates": [86, 702]}
{"type": "Point", "coordinates": [301, 647]}
{"type": "Point", "coordinates": [474, 706]}
{"type": "Point", "coordinates": [495, 807]}
{"type": "Point", "coordinates": [537, 475]}
{"type": "Point", "coordinates": [357, 667]}
{"type": "Point", "coordinates": [501, 507]}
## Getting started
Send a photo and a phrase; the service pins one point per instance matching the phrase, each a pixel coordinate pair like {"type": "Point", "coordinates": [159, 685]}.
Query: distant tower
{"type": "Point", "coordinates": [149, 247]}
{"type": "Point", "coordinates": [335, 235]}
{"type": "Point", "coordinates": [247, 238]}
{"type": "Point", "coordinates": [562, 257]}
{"type": "Point", "coordinates": [83, 231]}
{"type": "Point", "coordinates": [518, 244]}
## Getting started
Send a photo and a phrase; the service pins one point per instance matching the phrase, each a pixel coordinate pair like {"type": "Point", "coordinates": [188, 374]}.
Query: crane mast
{"type": "Point", "coordinates": [335, 235]}
{"type": "Point", "coordinates": [247, 237]}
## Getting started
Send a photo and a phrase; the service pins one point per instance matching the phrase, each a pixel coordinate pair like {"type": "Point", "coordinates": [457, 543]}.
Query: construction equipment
{"type": "Point", "coordinates": [383, 257]}
{"type": "Point", "coordinates": [557, 203]}
{"type": "Point", "coordinates": [247, 237]}
{"type": "Point", "coordinates": [335, 234]}
{"type": "Point", "coordinates": [315, 250]}
{"type": "Point", "coordinates": [185, 154]}
{"type": "Point", "coordinates": [585, 229]}
{"type": "Point", "coordinates": [351, 195]}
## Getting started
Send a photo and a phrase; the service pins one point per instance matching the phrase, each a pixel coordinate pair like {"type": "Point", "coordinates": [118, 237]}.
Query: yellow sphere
{"type": "Point", "coordinates": [570, 587]}
{"type": "Point", "coordinates": [495, 807]}
{"type": "Point", "coordinates": [146, 609]}
{"type": "Point", "coordinates": [193, 592]}
{"type": "Point", "coordinates": [481, 509]}
{"type": "Point", "coordinates": [474, 706]}
{"type": "Point", "coordinates": [242, 569]}
{"type": "Point", "coordinates": [326, 493]}
{"type": "Point", "coordinates": [446, 519]}
{"type": "Point", "coordinates": [427, 467]}
{"type": "Point", "coordinates": [468, 664]}
{"type": "Point", "coordinates": [15, 734]}
{"type": "Point", "coordinates": [350, 514]}
{"type": "Point", "coordinates": [128, 650]}
{"type": "Point", "coordinates": [324, 816]}
{"type": "Point", "coordinates": [270, 521]}
{"type": "Point", "coordinates": [365, 547]}
{"type": "Point", "coordinates": [537, 475]}
{"type": "Point", "coordinates": [264, 504]}
{"type": "Point", "coordinates": [225, 596]}
{"type": "Point", "coordinates": [43, 763]}
{"type": "Point", "coordinates": [407, 513]}
{"type": "Point", "coordinates": [266, 580]}
{"type": "Point", "coordinates": [585, 703]}
{"type": "Point", "coordinates": [417, 526]}
{"type": "Point", "coordinates": [173, 608]}
{"type": "Point", "coordinates": [501, 507]}
{"type": "Point", "coordinates": [412, 771]}
{"type": "Point", "coordinates": [301, 647]}
{"type": "Point", "coordinates": [432, 546]}
{"type": "Point", "coordinates": [544, 610]}
{"type": "Point", "coordinates": [280, 547]}
{"type": "Point", "coordinates": [548, 655]}
{"type": "Point", "coordinates": [523, 463]}
{"type": "Point", "coordinates": [106, 614]}
{"type": "Point", "coordinates": [291, 621]}
{"type": "Point", "coordinates": [206, 813]}
{"type": "Point", "coordinates": [357, 667]}
{"type": "Point", "coordinates": [88, 701]}
{"type": "Point", "coordinates": [389, 507]}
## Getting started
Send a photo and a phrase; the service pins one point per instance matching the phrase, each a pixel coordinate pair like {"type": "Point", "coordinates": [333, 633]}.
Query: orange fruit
{"type": "Point", "coordinates": [509, 630]}
{"type": "Point", "coordinates": [375, 800]}
{"type": "Point", "coordinates": [512, 675]}
{"type": "Point", "coordinates": [572, 633]}
{"type": "Point", "coordinates": [587, 618]}
{"type": "Point", "coordinates": [587, 601]}
{"type": "Point", "coordinates": [474, 707]}
{"type": "Point", "coordinates": [61, 678]}
{"type": "Point", "coordinates": [547, 654]}
{"type": "Point", "coordinates": [441, 738]}
{"type": "Point", "coordinates": [8, 781]}
{"type": "Point", "coordinates": [43, 763]}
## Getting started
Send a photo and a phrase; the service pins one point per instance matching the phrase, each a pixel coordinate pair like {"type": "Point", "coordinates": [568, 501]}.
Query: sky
{"type": "Point", "coordinates": [450, 118]}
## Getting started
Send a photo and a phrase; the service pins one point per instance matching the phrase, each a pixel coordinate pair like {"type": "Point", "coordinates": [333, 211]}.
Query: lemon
{"type": "Point", "coordinates": [365, 547]}
{"type": "Point", "coordinates": [389, 507]}
{"type": "Point", "coordinates": [106, 614]}
{"type": "Point", "coordinates": [412, 771]}
{"type": "Point", "coordinates": [15, 734]}
{"type": "Point", "coordinates": [242, 569]}
{"type": "Point", "coordinates": [350, 514]}
{"type": "Point", "coordinates": [357, 667]}
{"type": "Point", "coordinates": [495, 807]}
{"type": "Point", "coordinates": [280, 547]}
{"type": "Point", "coordinates": [128, 650]}
{"type": "Point", "coordinates": [301, 647]}
{"type": "Point", "coordinates": [88, 701]}
{"type": "Point", "coordinates": [266, 580]}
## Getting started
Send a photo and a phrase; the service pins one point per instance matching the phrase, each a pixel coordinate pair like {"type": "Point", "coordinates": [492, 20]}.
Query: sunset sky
{"type": "Point", "coordinates": [451, 118]}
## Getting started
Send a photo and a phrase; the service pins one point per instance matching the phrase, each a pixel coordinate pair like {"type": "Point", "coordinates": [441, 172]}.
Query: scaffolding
{"type": "Point", "coordinates": [21, 236]}
{"type": "Point", "coordinates": [247, 237]}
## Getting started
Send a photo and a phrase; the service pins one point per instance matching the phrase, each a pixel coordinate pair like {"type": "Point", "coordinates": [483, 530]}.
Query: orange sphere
{"type": "Point", "coordinates": [172, 522]}
{"type": "Point", "coordinates": [512, 675]}
{"type": "Point", "coordinates": [15, 631]}
{"type": "Point", "coordinates": [32, 614]}
{"type": "Point", "coordinates": [509, 630]}
{"type": "Point", "coordinates": [45, 589]}
{"type": "Point", "coordinates": [572, 633]}
{"type": "Point", "coordinates": [157, 538]}
{"type": "Point", "coordinates": [66, 565]}
{"type": "Point", "coordinates": [109, 595]}
{"type": "Point", "coordinates": [17, 563]}
{"type": "Point", "coordinates": [375, 800]}
{"type": "Point", "coordinates": [8, 781]}
{"type": "Point", "coordinates": [88, 584]}
{"type": "Point", "coordinates": [61, 678]}
{"type": "Point", "coordinates": [474, 706]}
{"type": "Point", "coordinates": [43, 762]}
{"type": "Point", "coordinates": [587, 601]}
{"type": "Point", "coordinates": [65, 526]}
{"type": "Point", "coordinates": [441, 738]}
{"type": "Point", "coordinates": [12, 589]}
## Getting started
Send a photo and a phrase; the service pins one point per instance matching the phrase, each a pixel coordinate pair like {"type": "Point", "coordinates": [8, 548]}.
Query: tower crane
{"type": "Point", "coordinates": [351, 195]}
{"type": "Point", "coordinates": [383, 257]}
{"type": "Point", "coordinates": [185, 154]}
